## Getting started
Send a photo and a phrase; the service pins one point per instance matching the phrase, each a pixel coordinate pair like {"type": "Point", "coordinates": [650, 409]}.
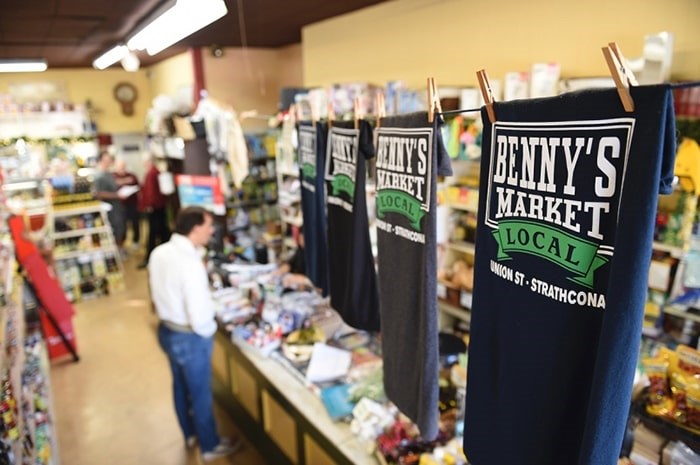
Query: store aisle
{"type": "Point", "coordinates": [115, 405]}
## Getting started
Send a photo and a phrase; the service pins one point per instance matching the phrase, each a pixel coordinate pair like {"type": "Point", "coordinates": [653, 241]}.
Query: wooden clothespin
{"type": "Point", "coordinates": [622, 76]}
{"type": "Point", "coordinates": [486, 93]}
{"type": "Point", "coordinates": [356, 111]}
{"type": "Point", "coordinates": [331, 114]}
{"type": "Point", "coordinates": [433, 100]}
{"type": "Point", "coordinates": [381, 108]}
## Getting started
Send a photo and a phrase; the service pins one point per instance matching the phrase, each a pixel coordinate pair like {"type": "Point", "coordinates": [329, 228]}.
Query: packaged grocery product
{"type": "Point", "coordinates": [659, 395]}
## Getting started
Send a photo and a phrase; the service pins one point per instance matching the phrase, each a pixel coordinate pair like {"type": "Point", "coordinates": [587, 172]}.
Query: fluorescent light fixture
{"type": "Point", "coordinates": [22, 66]}
{"type": "Point", "coordinates": [131, 62]}
{"type": "Point", "coordinates": [110, 57]}
{"type": "Point", "coordinates": [181, 20]}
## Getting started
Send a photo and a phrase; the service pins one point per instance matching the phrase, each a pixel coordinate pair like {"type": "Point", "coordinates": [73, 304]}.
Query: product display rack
{"type": "Point", "coordinates": [460, 198]}
{"type": "Point", "coordinates": [88, 261]}
{"type": "Point", "coordinates": [28, 435]}
{"type": "Point", "coordinates": [289, 202]}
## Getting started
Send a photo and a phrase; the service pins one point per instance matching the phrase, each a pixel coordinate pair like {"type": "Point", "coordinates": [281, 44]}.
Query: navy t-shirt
{"type": "Point", "coordinates": [410, 156]}
{"type": "Point", "coordinates": [312, 151]}
{"type": "Point", "coordinates": [351, 271]}
{"type": "Point", "coordinates": [567, 205]}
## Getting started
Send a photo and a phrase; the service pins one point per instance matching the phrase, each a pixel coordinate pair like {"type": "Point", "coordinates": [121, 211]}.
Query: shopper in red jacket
{"type": "Point", "coordinates": [153, 203]}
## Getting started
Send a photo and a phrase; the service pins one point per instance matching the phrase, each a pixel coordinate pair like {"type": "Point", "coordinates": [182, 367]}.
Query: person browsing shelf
{"type": "Point", "coordinates": [106, 189]}
{"type": "Point", "coordinates": [183, 301]}
{"type": "Point", "coordinates": [293, 271]}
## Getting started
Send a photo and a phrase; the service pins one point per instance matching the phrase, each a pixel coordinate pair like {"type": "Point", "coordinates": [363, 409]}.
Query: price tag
{"type": "Point", "coordinates": [465, 299]}
{"type": "Point", "coordinates": [441, 291]}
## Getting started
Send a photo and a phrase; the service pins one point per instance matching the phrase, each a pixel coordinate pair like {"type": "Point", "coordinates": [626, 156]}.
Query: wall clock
{"type": "Point", "coordinates": [126, 94]}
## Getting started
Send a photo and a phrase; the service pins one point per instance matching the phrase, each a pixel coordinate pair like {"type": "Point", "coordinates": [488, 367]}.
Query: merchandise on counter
{"type": "Point", "coordinates": [336, 400]}
{"type": "Point", "coordinates": [259, 335]}
{"type": "Point", "coordinates": [351, 271]}
{"type": "Point", "coordinates": [312, 149]}
{"type": "Point", "coordinates": [569, 187]}
{"type": "Point", "coordinates": [677, 453]}
{"type": "Point", "coordinates": [327, 363]}
{"type": "Point", "coordinates": [370, 419]}
{"type": "Point", "coordinates": [410, 156]}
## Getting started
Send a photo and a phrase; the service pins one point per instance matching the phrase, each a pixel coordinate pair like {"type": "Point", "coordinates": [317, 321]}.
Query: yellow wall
{"type": "Point", "coordinates": [290, 66]}
{"type": "Point", "coordinates": [251, 79]}
{"type": "Point", "coordinates": [97, 86]}
{"type": "Point", "coordinates": [450, 40]}
{"type": "Point", "coordinates": [171, 75]}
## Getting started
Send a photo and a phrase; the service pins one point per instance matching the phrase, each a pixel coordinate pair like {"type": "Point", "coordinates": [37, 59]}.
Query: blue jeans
{"type": "Point", "coordinates": [190, 361]}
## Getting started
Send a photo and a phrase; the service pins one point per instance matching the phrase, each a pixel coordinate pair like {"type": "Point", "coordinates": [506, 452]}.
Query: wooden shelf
{"type": "Point", "coordinates": [289, 173]}
{"type": "Point", "coordinates": [93, 207]}
{"type": "Point", "coordinates": [463, 207]}
{"type": "Point", "coordinates": [251, 203]}
{"type": "Point", "coordinates": [457, 312]}
{"type": "Point", "coordinates": [465, 247]}
{"type": "Point", "coordinates": [296, 221]}
{"type": "Point", "coordinates": [80, 253]}
{"type": "Point", "coordinates": [682, 313]}
{"type": "Point", "coordinates": [261, 160]}
{"type": "Point", "coordinates": [289, 199]}
{"type": "Point", "coordinates": [676, 252]}
{"type": "Point", "coordinates": [80, 232]}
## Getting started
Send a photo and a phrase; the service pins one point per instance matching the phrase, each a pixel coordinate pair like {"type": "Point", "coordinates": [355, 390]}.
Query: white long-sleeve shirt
{"type": "Point", "coordinates": [180, 286]}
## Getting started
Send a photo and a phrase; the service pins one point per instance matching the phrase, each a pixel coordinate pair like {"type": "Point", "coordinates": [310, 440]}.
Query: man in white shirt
{"type": "Point", "coordinates": [181, 294]}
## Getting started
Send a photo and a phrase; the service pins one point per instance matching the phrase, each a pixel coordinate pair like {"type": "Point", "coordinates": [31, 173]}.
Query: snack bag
{"type": "Point", "coordinates": [679, 388]}
{"type": "Point", "coordinates": [693, 413]}
{"type": "Point", "coordinates": [688, 360]}
{"type": "Point", "coordinates": [659, 400]}
{"type": "Point", "coordinates": [670, 356]}
{"type": "Point", "coordinates": [684, 377]}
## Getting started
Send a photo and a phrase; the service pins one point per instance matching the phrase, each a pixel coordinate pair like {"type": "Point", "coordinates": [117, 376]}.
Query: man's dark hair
{"type": "Point", "coordinates": [188, 218]}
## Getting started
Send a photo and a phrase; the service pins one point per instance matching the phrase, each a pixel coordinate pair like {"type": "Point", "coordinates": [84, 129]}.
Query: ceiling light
{"type": "Point", "coordinates": [181, 20]}
{"type": "Point", "coordinates": [110, 57]}
{"type": "Point", "coordinates": [22, 66]}
{"type": "Point", "coordinates": [131, 62]}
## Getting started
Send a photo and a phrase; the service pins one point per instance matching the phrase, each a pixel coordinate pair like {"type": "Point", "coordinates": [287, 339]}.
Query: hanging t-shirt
{"type": "Point", "coordinates": [312, 151]}
{"type": "Point", "coordinates": [567, 205]}
{"type": "Point", "coordinates": [410, 156]}
{"type": "Point", "coordinates": [353, 279]}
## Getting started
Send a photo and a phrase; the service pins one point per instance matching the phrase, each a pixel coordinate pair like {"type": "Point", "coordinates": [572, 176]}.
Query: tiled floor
{"type": "Point", "coordinates": [115, 405]}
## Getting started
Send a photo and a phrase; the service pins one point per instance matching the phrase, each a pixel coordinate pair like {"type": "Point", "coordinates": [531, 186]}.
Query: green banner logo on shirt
{"type": "Point", "coordinates": [576, 255]}
{"type": "Point", "coordinates": [392, 201]}
{"type": "Point", "coordinates": [308, 171]}
{"type": "Point", "coordinates": [343, 183]}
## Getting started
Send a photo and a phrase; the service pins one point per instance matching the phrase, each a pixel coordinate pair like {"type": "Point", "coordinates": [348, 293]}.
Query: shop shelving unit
{"type": "Point", "coordinates": [29, 435]}
{"type": "Point", "coordinates": [460, 198]}
{"type": "Point", "coordinates": [89, 243]}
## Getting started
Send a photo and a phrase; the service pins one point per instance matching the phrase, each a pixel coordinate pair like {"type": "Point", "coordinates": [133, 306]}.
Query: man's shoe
{"type": "Point", "coordinates": [142, 265]}
{"type": "Point", "coordinates": [223, 449]}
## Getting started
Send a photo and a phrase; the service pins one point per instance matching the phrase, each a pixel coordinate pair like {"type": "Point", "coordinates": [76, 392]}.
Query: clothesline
{"type": "Point", "coordinates": [679, 85]}
{"type": "Point", "coordinates": [683, 85]}
{"type": "Point", "coordinates": [455, 112]}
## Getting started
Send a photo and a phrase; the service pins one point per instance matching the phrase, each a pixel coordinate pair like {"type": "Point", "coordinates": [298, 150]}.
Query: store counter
{"type": "Point", "coordinates": [278, 412]}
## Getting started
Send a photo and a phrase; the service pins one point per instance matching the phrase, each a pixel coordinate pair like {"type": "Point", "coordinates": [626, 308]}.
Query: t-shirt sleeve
{"type": "Point", "coordinates": [444, 167]}
{"type": "Point", "coordinates": [366, 145]}
{"type": "Point", "coordinates": [669, 148]}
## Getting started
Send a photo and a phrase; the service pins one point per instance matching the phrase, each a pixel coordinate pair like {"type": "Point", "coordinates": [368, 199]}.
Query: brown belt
{"type": "Point", "coordinates": [176, 327]}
